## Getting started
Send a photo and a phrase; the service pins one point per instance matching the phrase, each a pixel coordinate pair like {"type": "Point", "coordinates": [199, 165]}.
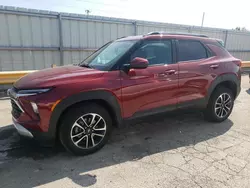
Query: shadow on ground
{"type": "Point", "coordinates": [136, 140]}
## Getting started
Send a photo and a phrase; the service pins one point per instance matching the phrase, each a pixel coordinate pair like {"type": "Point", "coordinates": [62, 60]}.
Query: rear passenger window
{"type": "Point", "coordinates": [191, 50]}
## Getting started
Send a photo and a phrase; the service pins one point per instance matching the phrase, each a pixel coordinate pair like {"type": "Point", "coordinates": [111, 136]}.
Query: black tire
{"type": "Point", "coordinates": [69, 120]}
{"type": "Point", "coordinates": [210, 112]}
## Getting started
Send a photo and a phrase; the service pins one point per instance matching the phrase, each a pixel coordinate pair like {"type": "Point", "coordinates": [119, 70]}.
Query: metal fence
{"type": "Point", "coordinates": [35, 39]}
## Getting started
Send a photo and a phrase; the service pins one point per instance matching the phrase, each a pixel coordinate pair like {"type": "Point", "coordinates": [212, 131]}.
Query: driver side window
{"type": "Point", "coordinates": [156, 52]}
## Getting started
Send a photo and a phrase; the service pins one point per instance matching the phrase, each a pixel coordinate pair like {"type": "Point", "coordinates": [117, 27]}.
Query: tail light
{"type": "Point", "coordinates": [238, 63]}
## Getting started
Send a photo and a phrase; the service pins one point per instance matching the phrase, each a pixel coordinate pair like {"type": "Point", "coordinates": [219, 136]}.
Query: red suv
{"type": "Point", "coordinates": [125, 79]}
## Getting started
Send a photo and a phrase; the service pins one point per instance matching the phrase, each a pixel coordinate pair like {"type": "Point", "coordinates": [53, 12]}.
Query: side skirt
{"type": "Point", "coordinates": [194, 104]}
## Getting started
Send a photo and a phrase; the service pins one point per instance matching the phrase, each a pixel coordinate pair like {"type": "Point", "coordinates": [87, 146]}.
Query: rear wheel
{"type": "Point", "coordinates": [220, 105]}
{"type": "Point", "coordinates": [86, 129]}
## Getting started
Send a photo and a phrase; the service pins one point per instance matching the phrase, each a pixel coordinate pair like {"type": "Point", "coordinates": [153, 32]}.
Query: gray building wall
{"type": "Point", "coordinates": [35, 39]}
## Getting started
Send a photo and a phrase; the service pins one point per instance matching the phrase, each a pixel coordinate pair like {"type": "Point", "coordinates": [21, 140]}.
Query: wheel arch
{"type": "Point", "coordinates": [230, 81]}
{"type": "Point", "coordinates": [102, 97]}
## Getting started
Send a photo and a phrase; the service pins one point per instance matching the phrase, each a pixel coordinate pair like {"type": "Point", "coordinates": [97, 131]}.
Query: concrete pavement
{"type": "Point", "coordinates": [176, 150]}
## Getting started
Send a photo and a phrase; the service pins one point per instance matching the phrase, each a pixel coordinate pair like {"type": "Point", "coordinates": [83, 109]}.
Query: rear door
{"type": "Point", "coordinates": [195, 73]}
{"type": "Point", "coordinates": [152, 89]}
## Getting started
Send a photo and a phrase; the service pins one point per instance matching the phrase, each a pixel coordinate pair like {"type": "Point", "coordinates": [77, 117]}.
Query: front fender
{"type": "Point", "coordinates": [104, 95]}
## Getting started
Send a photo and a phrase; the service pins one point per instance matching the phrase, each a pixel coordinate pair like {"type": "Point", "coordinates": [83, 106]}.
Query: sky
{"type": "Point", "coordinates": [226, 14]}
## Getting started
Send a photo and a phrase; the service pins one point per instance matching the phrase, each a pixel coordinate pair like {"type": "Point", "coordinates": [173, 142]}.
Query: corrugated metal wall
{"type": "Point", "coordinates": [22, 38]}
{"type": "Point", "coordinates": [80, 37]}
{"type": "Point", "coordinates": [35, 39]}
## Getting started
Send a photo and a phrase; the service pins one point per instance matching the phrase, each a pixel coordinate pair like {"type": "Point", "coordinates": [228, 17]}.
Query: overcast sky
{"type": "Point", "coordinates": [218, 13]}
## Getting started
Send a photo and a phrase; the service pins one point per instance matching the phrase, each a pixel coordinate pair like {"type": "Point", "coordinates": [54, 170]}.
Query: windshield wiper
{"type": "Point", "coordinates": [85, 65]}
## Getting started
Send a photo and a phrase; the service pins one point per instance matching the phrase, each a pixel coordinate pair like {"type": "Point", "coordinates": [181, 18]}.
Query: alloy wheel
{"type": "Point", "coordinates": [88, 131]}
{"type": "Point", "coordinates": [223, 105]}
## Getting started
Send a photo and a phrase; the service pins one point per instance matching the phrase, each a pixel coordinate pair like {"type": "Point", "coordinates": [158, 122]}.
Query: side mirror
{"type": "Point", "coordinates": [139, 63]}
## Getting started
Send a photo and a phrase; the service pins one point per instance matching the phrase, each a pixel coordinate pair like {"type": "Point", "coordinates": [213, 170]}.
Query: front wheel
{"type": "Point", "coordinates": [220, 105]}
{"type": "Point", "coordinates": [85, 129]}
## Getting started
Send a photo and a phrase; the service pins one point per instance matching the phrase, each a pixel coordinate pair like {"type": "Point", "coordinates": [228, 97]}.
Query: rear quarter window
{"type": "Point", "coordinates": [191, 50]}
{"type": "Point", "coordinates": [218, 50]}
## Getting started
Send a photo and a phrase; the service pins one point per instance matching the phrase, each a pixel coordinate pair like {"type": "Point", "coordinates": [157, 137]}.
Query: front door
{"type": "Point", "coordinates": [152, 89]}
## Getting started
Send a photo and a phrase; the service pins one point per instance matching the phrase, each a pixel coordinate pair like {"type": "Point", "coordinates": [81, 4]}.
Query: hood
{"type": "Point", "coordinates": [53, 76]}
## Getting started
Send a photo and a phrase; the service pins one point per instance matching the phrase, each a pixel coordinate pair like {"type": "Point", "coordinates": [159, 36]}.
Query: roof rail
{"type": "Point", "coordinates": [187, 34]}
{"type": "Point", "coordinates": [122, 37]}
{"type": "Point", "coordinates": [154, 33]}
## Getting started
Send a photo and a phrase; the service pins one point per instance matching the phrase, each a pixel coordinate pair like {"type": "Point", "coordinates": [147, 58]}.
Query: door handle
{"type": "Point", "coordinates": [215, 66]}
{"type": "Point", "coordinates": [167, 72]}
{"type": "Point", "coordinates": [170, 71]}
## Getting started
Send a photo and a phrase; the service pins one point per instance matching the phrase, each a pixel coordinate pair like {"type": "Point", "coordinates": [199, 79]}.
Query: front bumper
{"type": "Point", "coordinates": [28, 123]}
{"type": "Point", "coordinates": [21, 130]}
{"type": "Point", "coordinates": [42, 138]}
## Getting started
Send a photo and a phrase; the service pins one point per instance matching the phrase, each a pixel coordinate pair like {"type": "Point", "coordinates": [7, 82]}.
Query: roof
{"type": "Point", "coordinates": [179, 34]}
{"type": "Point", "coordinates": [158, 35]}
{"type": "Point", "coordinates": [136, 37]}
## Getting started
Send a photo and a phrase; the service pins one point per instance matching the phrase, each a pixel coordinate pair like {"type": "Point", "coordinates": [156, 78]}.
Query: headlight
{"type": "Point", "coordinates": [29, 92]}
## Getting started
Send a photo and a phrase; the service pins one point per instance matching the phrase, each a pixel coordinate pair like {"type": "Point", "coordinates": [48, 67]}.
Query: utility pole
{"type": "Point", "coordinates": [87, 12]}
{"type": "Point", "coordinates": [203, 17]}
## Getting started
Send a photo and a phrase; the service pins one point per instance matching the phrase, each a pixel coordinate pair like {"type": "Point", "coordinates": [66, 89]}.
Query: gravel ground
{"type": "Point", "coordinates": [175, 150]}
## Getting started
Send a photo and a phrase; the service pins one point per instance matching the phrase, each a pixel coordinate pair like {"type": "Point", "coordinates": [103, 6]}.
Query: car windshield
{"type": "Point", "coordinates": [106, 56]}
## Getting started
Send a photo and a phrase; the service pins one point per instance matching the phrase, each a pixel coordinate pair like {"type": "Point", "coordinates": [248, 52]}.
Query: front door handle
{"type": "Point", "coordinates": [214, 66]}
{"type": "Point", "coordinates": [166, 73]}
{"type": "Point", "coordinates": [170, 71]}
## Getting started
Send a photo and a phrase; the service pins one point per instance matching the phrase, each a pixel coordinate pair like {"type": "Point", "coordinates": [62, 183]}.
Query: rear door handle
{"type": "Point", "coordinates": [215, 66]}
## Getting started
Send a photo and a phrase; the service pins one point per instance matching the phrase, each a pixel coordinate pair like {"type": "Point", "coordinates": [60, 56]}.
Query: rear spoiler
{"type": "Point", "coordinates": [220, 41]}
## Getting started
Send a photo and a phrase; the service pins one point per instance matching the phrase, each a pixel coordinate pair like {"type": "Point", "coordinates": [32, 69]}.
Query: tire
{"type": "Point", "coordinates": [73, 128]}
{"type": "Point", "coordinates": [215, 106]}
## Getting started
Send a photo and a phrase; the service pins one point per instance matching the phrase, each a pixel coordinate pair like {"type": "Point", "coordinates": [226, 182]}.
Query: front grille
{"type": "Point", "coordinates": [16, 111]}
